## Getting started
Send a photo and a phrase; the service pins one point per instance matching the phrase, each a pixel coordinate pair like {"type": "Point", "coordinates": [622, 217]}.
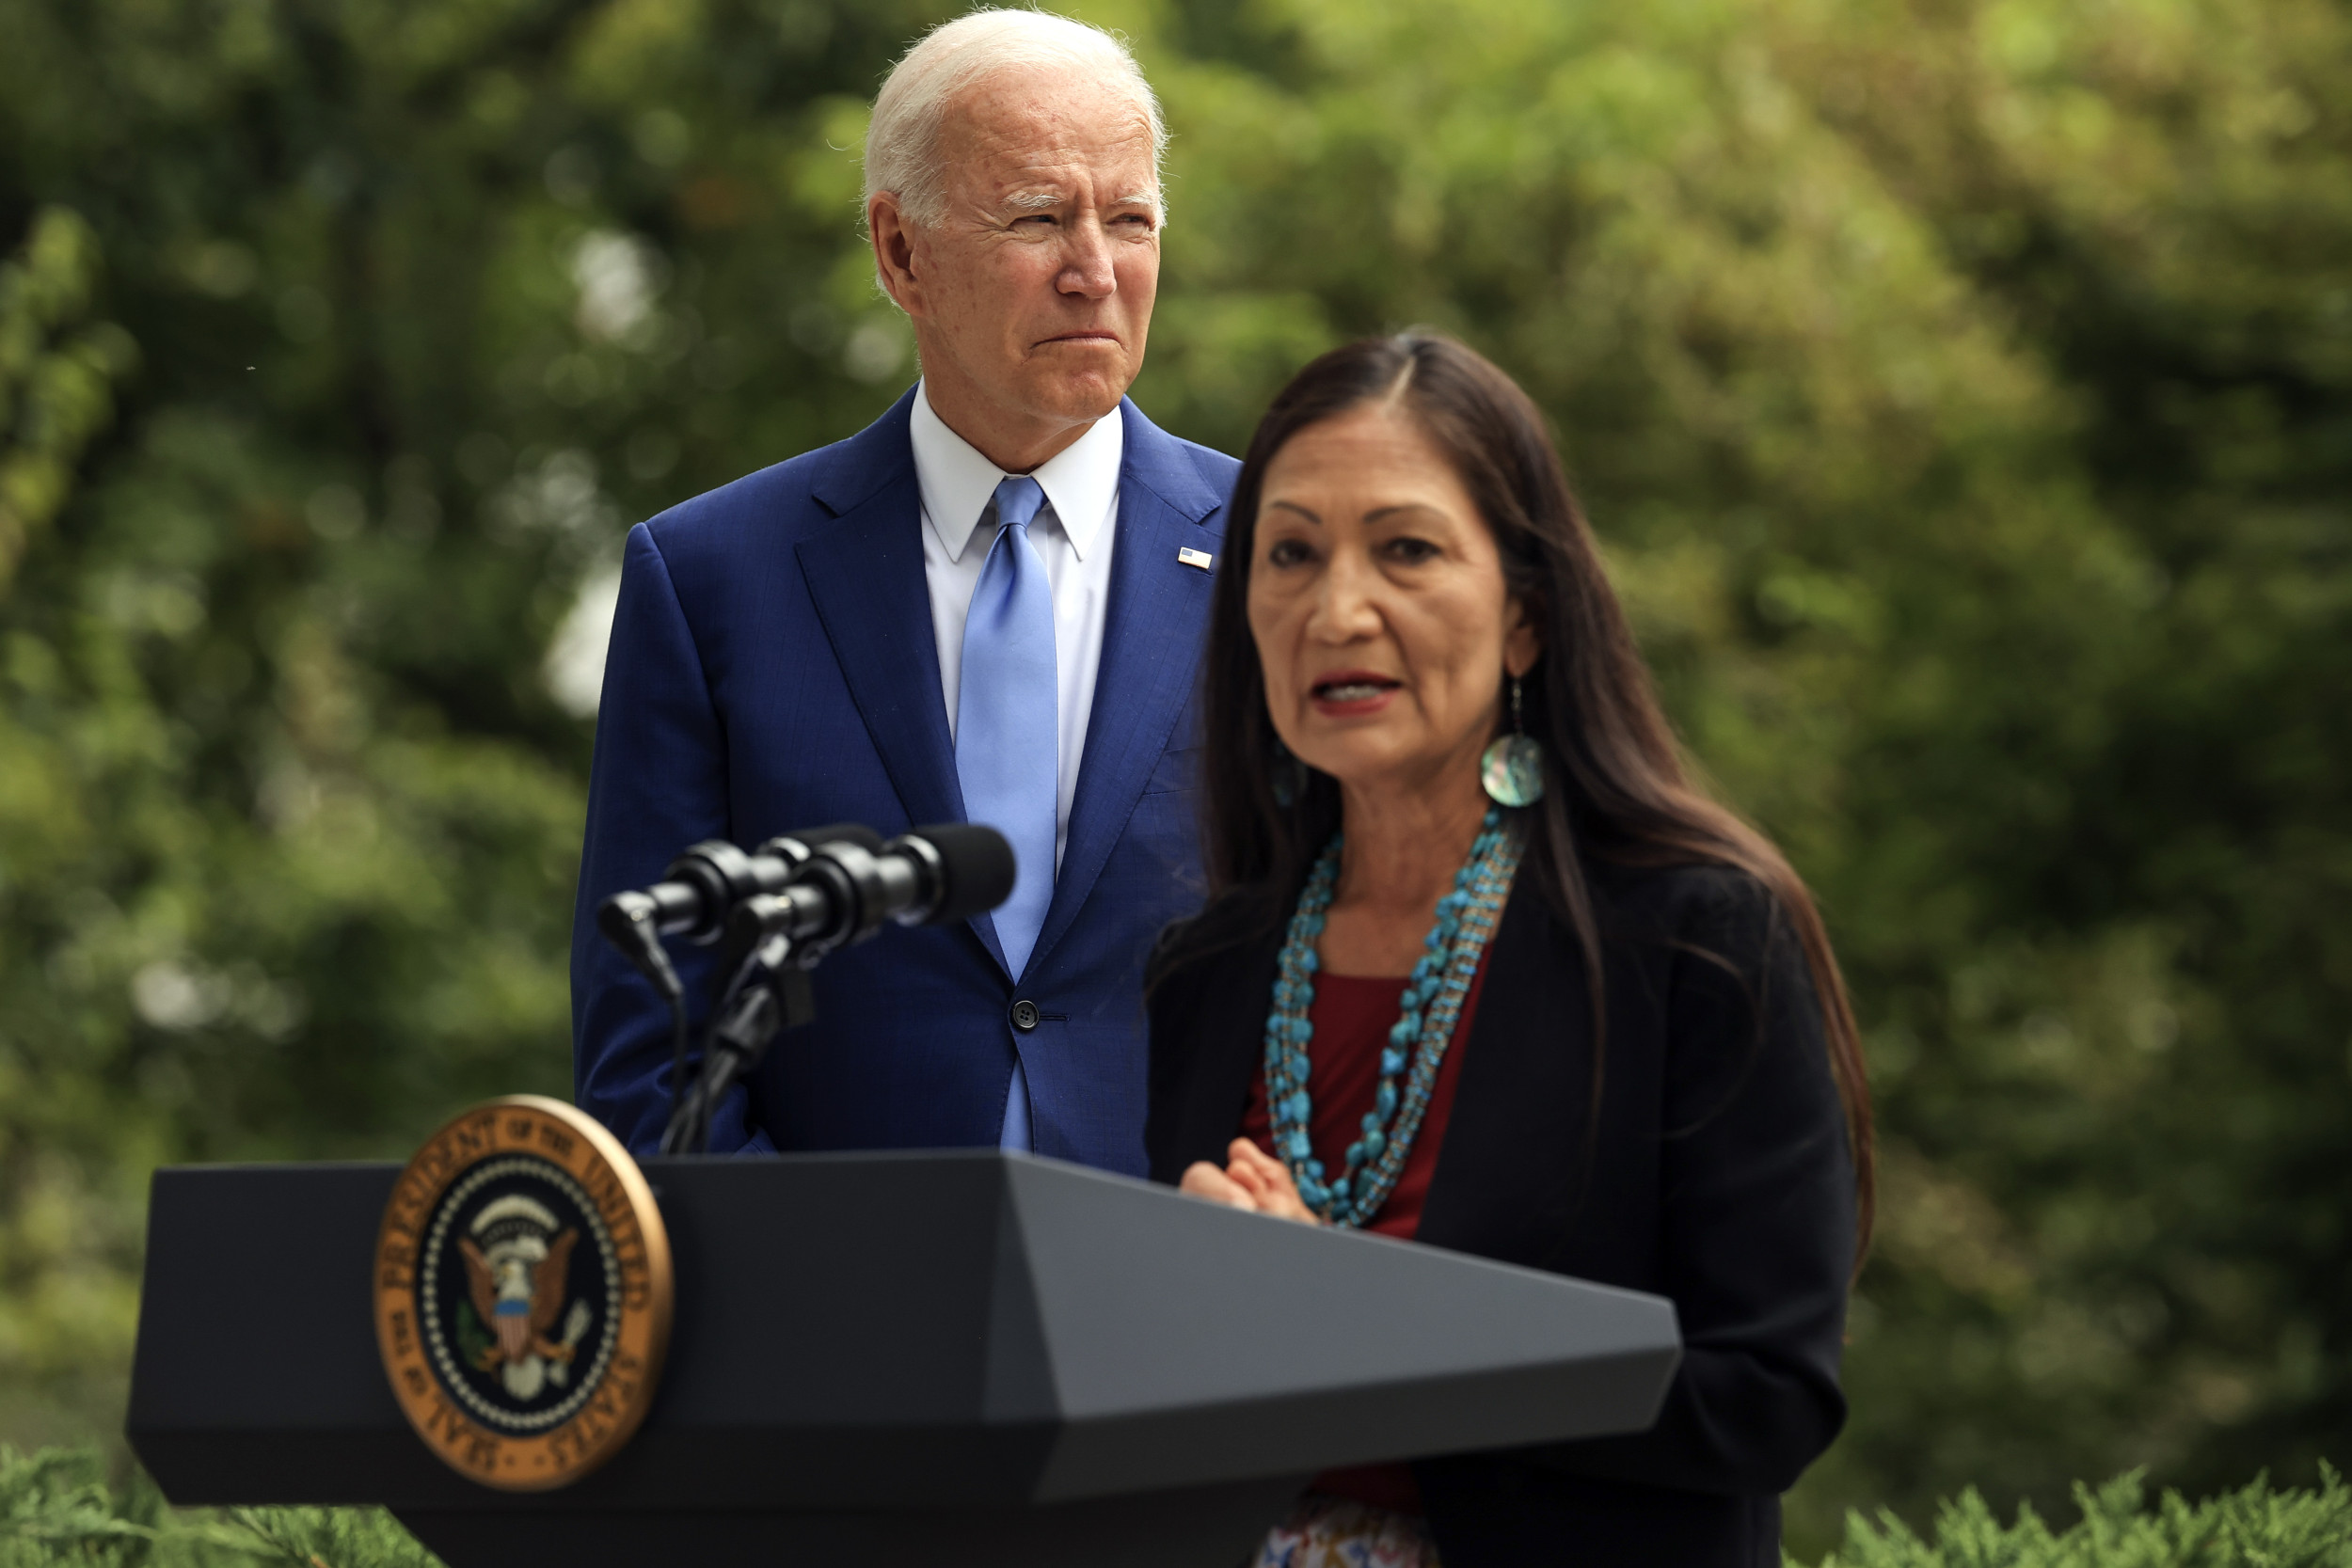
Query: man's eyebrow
{"type": "Point", "coordinates": [1034, 201]}
{"type": "Point", "coordinates": [1139, 198]}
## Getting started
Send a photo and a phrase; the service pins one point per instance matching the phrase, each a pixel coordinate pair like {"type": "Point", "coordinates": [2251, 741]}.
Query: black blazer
{"type": "Point", "coordinates": [1714, 1170]}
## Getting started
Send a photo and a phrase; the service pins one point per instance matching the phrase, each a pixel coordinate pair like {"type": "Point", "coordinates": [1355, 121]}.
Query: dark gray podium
{"type": "Point", "coordinates": [884, 1359]}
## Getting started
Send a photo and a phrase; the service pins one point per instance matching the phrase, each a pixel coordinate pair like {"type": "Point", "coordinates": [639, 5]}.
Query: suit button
{"type": "Point", "coordinates": [1025, 1015]}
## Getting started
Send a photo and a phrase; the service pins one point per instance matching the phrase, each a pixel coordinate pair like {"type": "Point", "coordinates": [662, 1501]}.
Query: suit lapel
{"type": "Point", "coordinates": [1220, 1059]}
{"type": "Point", "coordinates": [1153, 629]}
{"type": "Point", "coordinates": [865, 577]}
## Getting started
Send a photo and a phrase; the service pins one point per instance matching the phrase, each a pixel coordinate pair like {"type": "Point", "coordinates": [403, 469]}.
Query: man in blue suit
{"type": "Point", "coordinates": [987, 605]}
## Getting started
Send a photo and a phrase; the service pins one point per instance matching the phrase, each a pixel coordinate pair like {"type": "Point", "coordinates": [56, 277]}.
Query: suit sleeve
{"type": "Point", "coordinates": [659, 784]}
{"type": "Point", "coordinates": [1758, 1214]}
{"type": "Point", "coordinates": [1170, 1136]}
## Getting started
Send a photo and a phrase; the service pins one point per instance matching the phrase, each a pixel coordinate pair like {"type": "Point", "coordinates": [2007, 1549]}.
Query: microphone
{"type": "Point", "coordinates": [783, 910]}
{"type": "Point", "coordinates": [844, 892]}
{"type": "Point", "coordinates": [710, 878]}
{"type": "Point", "coordinates": [698, 890]}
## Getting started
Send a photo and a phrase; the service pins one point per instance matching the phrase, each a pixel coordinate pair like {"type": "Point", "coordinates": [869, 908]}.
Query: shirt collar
{"type": "Point", "coordinates": [1081, 481]}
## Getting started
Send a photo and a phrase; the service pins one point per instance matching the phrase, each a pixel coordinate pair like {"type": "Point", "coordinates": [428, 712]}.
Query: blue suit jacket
{"type": "Point", "coordinates": [773, 667]}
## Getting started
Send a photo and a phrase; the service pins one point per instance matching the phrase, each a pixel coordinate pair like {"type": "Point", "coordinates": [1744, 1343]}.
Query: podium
{"type": "Point", "coordinates": [958, 1356]}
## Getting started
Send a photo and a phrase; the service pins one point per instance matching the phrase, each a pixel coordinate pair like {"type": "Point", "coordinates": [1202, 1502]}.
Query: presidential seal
{"type": "Point", "coordinates": [523, 1293]}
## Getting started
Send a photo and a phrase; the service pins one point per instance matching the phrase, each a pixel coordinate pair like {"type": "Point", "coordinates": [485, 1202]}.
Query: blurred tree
{"type": "Point", "coordinates": [432, 299]}
{"type": "Point", "coordinates": [1963, 388]}
{"type": "Point", "coordinates": [64, 1258]}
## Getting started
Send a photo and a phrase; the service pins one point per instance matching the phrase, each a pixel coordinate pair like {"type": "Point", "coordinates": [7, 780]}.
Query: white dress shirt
{"type": "Point", "coordinates": [1073, 535]}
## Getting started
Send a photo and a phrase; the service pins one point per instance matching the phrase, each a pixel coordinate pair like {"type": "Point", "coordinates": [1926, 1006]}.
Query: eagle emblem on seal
{"type": "Point", "coordinates": [517, 1263]}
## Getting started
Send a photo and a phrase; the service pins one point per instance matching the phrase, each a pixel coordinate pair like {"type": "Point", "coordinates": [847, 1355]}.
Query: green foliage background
{"type": "Point", "coordinates": [1963, 389]}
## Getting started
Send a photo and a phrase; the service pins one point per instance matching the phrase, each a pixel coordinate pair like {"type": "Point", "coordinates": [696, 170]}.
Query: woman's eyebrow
{"type": "Point", "coordinates": [1294, 506]}
{"type": "Point", "coordinates": [1379, 512]}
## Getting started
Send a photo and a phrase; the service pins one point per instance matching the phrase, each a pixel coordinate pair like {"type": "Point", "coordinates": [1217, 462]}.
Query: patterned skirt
{"type": "Point", "coordinates": [1339, 1532]}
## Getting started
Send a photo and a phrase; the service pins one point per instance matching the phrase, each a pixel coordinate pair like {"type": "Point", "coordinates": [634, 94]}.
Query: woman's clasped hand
{"type": "Point", "coordinates": [1253, 1179]}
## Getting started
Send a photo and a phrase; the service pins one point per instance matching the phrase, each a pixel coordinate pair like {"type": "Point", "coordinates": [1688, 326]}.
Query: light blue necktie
{"type": "Point", "coordinates": [1009, 735]}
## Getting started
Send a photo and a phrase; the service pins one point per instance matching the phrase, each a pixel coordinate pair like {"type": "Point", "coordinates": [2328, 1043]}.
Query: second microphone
{"type": "Point", "coordinates": [824, 887]}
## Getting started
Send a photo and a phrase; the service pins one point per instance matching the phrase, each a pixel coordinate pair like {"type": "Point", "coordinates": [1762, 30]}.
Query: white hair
{"type": "Point", "coordinates": [903, 138]}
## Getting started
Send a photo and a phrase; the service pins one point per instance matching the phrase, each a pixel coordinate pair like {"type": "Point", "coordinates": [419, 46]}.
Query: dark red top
{"type": "Point", "coordinates": [1352, 1015]}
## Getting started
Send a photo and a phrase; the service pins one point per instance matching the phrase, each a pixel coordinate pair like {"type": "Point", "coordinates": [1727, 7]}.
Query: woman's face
{"type": "Point", "coordinates": [1377, 601]}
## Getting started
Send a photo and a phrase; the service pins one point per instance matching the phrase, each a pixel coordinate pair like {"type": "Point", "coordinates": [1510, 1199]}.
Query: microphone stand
{"type": "Point", "coordinates": [768, 993]}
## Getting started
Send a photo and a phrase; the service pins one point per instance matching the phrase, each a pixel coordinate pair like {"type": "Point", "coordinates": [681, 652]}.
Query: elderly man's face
{"type": "Point", "coordinates": [1032, 297]}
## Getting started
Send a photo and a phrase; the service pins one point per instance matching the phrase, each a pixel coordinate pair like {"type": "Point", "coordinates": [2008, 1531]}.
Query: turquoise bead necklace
{"type": "Point", "coordinates": [1432, 1005]}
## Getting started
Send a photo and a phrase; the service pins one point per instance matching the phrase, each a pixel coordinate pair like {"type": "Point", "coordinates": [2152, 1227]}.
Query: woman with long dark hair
{"type": "Point", "coordinates": [1480, 967]}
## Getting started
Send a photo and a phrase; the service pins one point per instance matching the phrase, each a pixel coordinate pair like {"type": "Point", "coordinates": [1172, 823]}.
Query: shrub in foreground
{"type": "Point", "coordinates": [2256, 1527]}
{"type": "Point", "coordinates": [56, 1509]}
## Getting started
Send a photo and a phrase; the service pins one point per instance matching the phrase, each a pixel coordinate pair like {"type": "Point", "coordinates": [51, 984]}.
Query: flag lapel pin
{"type": "Point", "coordinates": [1201, 559]}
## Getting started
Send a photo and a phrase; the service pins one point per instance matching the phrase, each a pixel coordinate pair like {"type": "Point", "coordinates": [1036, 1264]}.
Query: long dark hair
{"type": "Point", "coordinates": [1619, 792]}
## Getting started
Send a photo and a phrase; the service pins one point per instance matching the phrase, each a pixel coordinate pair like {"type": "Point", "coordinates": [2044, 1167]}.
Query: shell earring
{"type": "Point", "coordinates": [1512, 768]}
